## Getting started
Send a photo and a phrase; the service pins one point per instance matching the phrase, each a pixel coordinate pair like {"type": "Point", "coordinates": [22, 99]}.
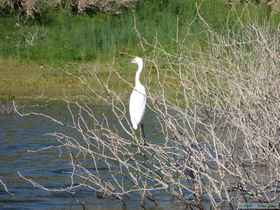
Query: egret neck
{"type": "Point", "coordinates": [137, 75]}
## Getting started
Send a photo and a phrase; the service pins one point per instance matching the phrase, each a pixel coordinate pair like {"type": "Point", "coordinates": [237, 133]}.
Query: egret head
{"type": "Point", "coordinates": [137, 60]}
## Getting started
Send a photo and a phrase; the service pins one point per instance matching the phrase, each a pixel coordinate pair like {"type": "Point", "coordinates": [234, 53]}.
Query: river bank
{"type": "Point", "coordinates": [29, 80]}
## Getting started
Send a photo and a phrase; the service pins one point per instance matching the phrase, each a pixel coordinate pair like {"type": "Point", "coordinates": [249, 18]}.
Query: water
{"type": "Point", "coordinates": [18, 135]}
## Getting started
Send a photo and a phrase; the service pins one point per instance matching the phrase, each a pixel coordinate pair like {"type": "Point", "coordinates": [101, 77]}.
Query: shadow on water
{"type": "Point", "coordinates": [19, 135]}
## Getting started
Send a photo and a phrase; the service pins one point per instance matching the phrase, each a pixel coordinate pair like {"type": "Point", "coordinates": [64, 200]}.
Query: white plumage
{"type": "Point", "coordinates": [138, 97]}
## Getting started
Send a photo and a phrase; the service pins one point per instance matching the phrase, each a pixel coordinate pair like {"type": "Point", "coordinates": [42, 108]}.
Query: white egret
{"type": "Point", "coordinates": [138, 98]}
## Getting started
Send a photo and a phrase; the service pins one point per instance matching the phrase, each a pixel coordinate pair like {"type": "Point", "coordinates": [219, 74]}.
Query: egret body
{"type": "Point", "coordinates": [138, 97]}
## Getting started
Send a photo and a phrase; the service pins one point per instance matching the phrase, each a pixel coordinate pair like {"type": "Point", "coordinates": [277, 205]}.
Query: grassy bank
{"type": "Point", "coordinates": [38, 56]}
{"type": "Point", "coordinates": [30, 80]}
{"type": "Point", "coordinates": [59, 36]}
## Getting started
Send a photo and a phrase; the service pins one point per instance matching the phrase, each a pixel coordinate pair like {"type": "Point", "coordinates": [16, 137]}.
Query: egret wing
{"type": "Point", "coordinates": [137, 106]}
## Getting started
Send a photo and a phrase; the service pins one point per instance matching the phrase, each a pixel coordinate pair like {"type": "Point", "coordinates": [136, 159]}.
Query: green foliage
{"type": "Point", "coordinates": [59, 36]}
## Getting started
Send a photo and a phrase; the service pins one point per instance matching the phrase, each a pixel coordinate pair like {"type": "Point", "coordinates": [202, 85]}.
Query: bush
{"type": "Point", "coordinates": [215, 126]}
{"type": "Point", "coordinates": [31, 8]}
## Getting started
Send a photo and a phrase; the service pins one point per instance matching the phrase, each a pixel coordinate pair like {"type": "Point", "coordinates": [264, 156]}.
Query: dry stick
{"type": "Point", "coordinates": [36, 114]}
{"type": "Point", "coordinates": [140, 38]}
{"type": "Point", "coordinates": [37, 185]}
{"type": "Point", "coordinates": [5, 187]}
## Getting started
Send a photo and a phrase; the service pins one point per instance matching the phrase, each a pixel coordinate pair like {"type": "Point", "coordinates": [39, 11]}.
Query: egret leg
{"type": "Point", "coordinates": [142, 130]}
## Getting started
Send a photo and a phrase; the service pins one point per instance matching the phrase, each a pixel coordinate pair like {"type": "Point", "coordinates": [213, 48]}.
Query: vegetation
{"type": "Point", "coordinates": [58, 42]}
{"type": "Point", "coordinates": [61, 36]}
{"type": "Point", "coordinates": [35, 8]}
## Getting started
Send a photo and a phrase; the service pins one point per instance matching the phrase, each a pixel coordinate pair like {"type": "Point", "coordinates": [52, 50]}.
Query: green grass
{"type": "Point", "coordinates": [60, 36]}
